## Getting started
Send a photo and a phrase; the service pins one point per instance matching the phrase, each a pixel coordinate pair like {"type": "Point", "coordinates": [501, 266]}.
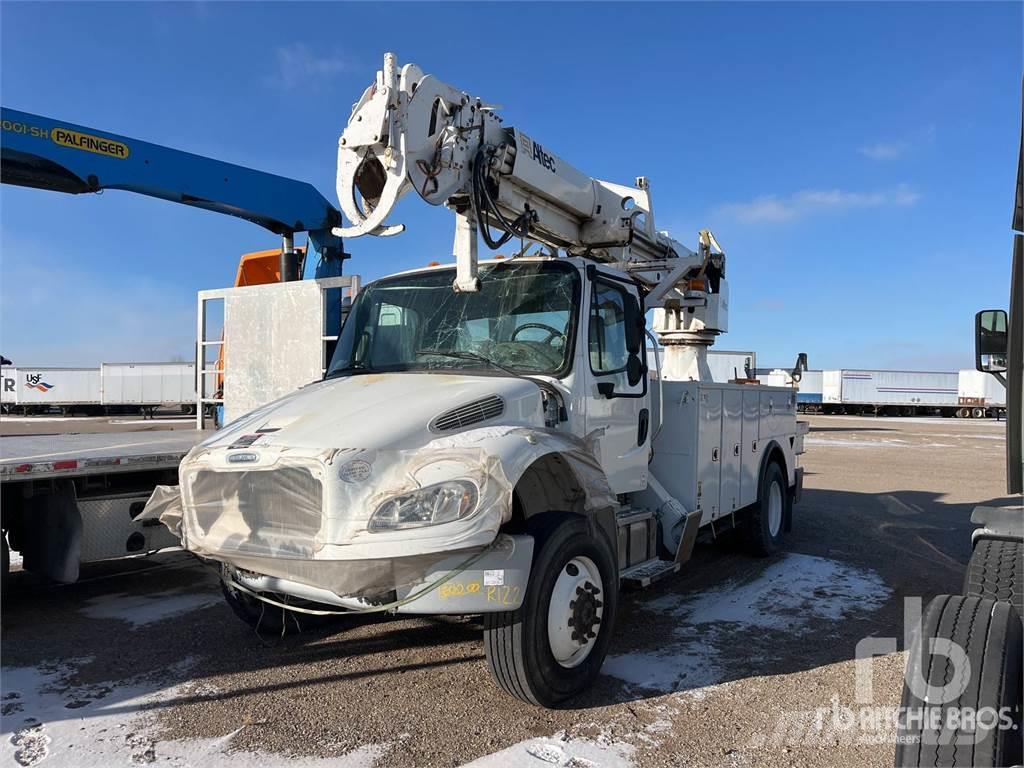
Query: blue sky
{"type": "Point", "coordinates": [857, 161]}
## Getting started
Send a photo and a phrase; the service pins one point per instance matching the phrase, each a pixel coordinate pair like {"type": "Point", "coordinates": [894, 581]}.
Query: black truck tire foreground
{"type": "Point", "coordinates": [996, 570]}
{"type": "Point", "coordinates": [980, 725]}
{"type": "Point", "coordinates": [521, 645]}
{"type": "Point", "coordinates": [762, 530]}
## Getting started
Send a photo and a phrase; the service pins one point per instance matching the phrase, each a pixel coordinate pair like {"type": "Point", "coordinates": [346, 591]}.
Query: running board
{"type": "Point", "coordinates": [643, 575]}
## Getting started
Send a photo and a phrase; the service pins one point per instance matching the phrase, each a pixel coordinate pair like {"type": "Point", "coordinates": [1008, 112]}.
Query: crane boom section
{"type": "Point", "coordinates": [56, 155]}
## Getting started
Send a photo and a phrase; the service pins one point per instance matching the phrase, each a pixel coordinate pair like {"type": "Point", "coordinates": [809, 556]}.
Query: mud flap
{"type": "Point", "coordinates": [53, 548]}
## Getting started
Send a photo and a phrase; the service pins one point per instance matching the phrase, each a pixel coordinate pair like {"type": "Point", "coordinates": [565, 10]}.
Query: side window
{"type": "Point", "coordinates": [607, 328]}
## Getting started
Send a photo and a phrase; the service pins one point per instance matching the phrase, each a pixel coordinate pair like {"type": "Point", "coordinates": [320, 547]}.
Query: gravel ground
{"type": "Point", "coordinates": [735, 661]}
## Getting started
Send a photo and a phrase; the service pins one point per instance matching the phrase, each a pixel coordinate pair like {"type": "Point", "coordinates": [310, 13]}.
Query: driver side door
{"type": "Point", "coordinates": [617, 407]}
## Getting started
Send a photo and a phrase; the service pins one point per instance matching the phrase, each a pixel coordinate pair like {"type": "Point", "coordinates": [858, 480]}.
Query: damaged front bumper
{"type": "Point", "coordinates": [490, 580]}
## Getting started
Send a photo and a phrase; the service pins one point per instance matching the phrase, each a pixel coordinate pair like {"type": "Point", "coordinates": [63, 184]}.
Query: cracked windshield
{"type": "Point", "coordinates": [521, 321]}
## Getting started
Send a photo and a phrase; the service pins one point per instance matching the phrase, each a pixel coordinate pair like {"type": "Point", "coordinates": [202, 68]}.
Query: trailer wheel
{"type": "Point", "coordinates": [553, 646]}
{"type": "Point", "coordinates": [980, 725]}
{"type": "Point", "coordinates": [762, 530]}
{"type": "Point", "coordinates": [267, 619]}
{"type": "Point", "coordinates": [996, 571]}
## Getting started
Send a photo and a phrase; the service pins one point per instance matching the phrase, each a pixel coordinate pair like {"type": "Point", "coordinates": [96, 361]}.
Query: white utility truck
{"type": "Point", "coordinates": [486, 439]}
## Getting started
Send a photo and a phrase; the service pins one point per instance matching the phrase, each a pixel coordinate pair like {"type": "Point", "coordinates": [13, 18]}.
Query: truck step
{"type": "Point", "coordinates": [643, 575]}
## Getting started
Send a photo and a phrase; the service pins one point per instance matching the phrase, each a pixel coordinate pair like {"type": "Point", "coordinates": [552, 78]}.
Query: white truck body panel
{"type": "Point", "coordinates": [889, 387]}
{"type": "Point", "coordinates": [50, 386]}
{"type": "Point", "coordinates": [708, 454]}
{"type": "Point", "coordinates": [980, 388]}
{"type": "Point", "coordinates": [147, 383]}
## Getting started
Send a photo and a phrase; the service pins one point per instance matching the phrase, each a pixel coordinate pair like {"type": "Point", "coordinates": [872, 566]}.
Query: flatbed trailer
{"type": "Point", "coordinates": [73, 498]}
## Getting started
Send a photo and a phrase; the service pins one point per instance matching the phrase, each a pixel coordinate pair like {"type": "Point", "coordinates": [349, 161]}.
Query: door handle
{"type": "Point", "coordinates": [714, 454]}
{"type": "Point", "coordinates": [736, 450]}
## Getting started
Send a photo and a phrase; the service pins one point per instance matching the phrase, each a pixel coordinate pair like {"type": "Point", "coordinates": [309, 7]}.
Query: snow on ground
{"type": "Point", "coordinates": [786, 597]}
{"type": "Point", "coordinates": [47, 721]}
{"type": "Point", "coordinates": [848, 443]}
{"type": "Point", "coordinates": [561, 751]}
{"type": "Point", "coordinates": [142, 609]}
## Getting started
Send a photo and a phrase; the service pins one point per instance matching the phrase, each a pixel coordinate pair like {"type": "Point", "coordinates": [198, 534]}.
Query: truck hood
{"type": "Point", "coordinates": [378, 411]}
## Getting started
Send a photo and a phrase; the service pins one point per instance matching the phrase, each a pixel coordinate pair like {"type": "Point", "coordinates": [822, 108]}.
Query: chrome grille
{"type": "Point", "coordinates": [486, 408]}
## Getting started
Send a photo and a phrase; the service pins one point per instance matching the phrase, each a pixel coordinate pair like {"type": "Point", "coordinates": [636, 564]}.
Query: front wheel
{"type": "Point", "coordinates": [265, 618]}
{"type": "Point", "coordinates": [553, 646]}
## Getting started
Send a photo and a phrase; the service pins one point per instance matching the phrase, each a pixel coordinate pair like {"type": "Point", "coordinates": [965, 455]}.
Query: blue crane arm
{"type": "Point", "coordinates": [41, 152]}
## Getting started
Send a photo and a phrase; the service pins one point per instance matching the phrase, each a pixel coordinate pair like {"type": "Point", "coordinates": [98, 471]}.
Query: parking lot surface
{"type": "Point", "coordinates": [735, 661]}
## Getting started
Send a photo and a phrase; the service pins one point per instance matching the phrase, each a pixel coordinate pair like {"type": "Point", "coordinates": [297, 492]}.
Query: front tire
{"type": "Point", "coordinates": [553, 646]}
{"type": "Point", "coordinates": [267, 619]}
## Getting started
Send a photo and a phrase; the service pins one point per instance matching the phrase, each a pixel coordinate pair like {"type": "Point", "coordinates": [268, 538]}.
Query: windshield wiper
{"type": "Point", "coordinates": [349, 369]}
{"type": "Point", "coordinates": [463, 355]}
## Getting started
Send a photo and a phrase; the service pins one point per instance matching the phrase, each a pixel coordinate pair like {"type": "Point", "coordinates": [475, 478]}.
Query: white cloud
{"type": "Point", "coordinates": [775, 208]}
{"type": "Point", "coordinates": [298, 66]}
{"type": "Point", "coordinates": [890, 150]}
{"type": "Point", "coordinates": [884, 150]}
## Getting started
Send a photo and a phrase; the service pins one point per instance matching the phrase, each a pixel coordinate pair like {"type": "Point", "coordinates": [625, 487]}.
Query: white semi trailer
{"type": "Point", "coordinates": [111, 388]}
{"type": "Point", "coordinates": [892, 393]}
{"type": "Point", "coordinates": [979, 395]}
{"type": "Point", "coordinates": [486, 439]}
{"type": "Point", "coordinates": [37, 390]}
{"type": "Point", "coordinates": [148, 386]}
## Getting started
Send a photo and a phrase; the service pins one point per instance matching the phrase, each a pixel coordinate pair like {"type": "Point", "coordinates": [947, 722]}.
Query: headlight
{"type": "Point", "coordinates": [441, 503]}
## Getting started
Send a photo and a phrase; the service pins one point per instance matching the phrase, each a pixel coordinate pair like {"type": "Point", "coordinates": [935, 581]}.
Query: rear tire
{"type": "Point", "coordinates": [996, 571]}
{"type": "Point", "coordinates": [989, 632]}
{"type": "Point", "coordinates": [521, 645]}
{"type": "Point", "coordinates": [762, 531]}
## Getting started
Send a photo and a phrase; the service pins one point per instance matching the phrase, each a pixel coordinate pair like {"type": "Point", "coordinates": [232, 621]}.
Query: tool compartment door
{"type": "Point", "coordinates": [709, 454]}
{"type": "Point", "coordinates": [731, 453]}
{"type": "Point", "coordinates": [750, 454]}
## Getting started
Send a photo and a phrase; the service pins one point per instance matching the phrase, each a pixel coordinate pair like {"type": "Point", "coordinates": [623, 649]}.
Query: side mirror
{"type": "Point", "coordinates": [635, 370]}
{"type": "Point", "coordinates": [635, 325]}
{"type": "Point", "coordinates": [990, 340]}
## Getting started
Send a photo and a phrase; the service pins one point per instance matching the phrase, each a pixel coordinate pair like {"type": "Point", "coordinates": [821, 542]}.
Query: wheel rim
{"type": "Point", "coordinates": [575, 611]}
{"type": "Point", "coordinates": [774, 509]}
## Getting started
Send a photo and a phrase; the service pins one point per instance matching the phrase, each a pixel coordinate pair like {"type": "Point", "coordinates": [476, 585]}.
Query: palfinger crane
{"type": "Point", "coordinates": [411, 131]}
